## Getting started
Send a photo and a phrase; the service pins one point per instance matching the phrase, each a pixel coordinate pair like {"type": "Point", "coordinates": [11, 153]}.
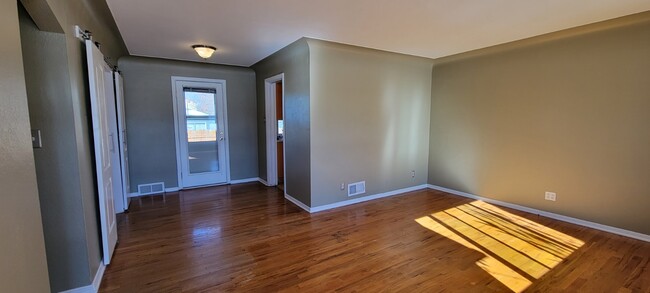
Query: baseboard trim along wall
{"type": "Point", "coordinates": [571, 220]}
{"type": "Point", "coordinates": [170, 189]}
{"type": "Point", "coordinates": [246, 180]}
{"type": "Point", "coordinates": [237, 181]}
{"type": "Point", "coordinates": [297, 202]}
{"type": "Point", "coordinates": [263, 181]}
{"type": "Point", "coordinates": [352, 201]}
{"type": "Point", "coordinates": [366, 198]}
{"type": "Point", "coordinates": [94, 287]}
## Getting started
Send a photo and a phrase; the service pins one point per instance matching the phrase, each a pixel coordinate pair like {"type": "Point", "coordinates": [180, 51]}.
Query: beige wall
{"type": "Point", "coordinates": [23, 266]}
{"type": "Point", "coordinates": [567, 112]}
{"type": "Point", "coordinates": [369, 120]}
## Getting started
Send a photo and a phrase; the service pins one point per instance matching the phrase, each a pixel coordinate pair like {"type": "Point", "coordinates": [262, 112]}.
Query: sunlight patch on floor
{"type": "Point", "coordinates": [517, 251]}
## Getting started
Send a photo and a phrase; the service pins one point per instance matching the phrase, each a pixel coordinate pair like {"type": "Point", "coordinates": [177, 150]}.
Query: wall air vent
{"type": "Point", "coordinates": [151, 188]}
{"type": "Point", "coordinates": [356, 188]}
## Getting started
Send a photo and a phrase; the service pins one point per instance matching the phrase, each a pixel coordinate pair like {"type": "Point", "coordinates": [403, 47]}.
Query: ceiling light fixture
{"type": "Point", "coordinates": [204, 51]}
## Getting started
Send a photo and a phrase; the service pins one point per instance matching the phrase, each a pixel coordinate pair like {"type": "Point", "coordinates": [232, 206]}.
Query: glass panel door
{"type": "Point", "coordinates": [201, 126]}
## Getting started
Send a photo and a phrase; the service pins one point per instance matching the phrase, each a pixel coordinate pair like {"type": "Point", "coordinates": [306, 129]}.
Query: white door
{"type": "Point", "coordinates": [201, 134]}
{"type": "Point", "coordinates": [104, 141]}
{"type": "Point", "coordinates": [114, 147]}
{"type": "Point", "coordinates": [121, 126]}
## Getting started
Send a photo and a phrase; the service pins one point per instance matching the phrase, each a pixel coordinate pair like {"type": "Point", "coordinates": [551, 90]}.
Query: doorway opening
{"type": "Point", "coordinates": [275, 131]}
{"type": "Point", "coordinates": [201, 131]}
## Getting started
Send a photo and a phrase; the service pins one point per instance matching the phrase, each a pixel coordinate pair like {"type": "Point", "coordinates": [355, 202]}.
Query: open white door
{"type": "Point", "coordinates": [111, 113]}
{"type": "Point", "coordinates": [104, 142]}
{"type": "Point", "coordinates": [121, 125]}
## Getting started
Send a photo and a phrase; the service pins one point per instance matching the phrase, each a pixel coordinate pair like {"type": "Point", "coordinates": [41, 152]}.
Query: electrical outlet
{"type": "Point", "coordinates": [550, 196]}
{"type": "Point", "coordinates": [412, 173]}
{"type": "Point", "coordinates": [342, 186]}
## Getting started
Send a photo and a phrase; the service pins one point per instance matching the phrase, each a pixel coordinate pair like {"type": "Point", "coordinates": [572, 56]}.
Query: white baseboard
{"type": "Point", "coordinates": [98, 277]}
{"type": "Point", "coordinates": [263, 181]}
{"type": "Point", "coordinates": [365, 198]}
{"type": "Point", "coordinates": [174, 189]}
{"type": "Point", "coordinates": [94, 287]}
{"type": "Point", "coordinates": [170, 189]}
{"type": "Point", "coordinates": [610, 229]}
{"type": "Point", "coordinates": [297, 202]}
{"type": "Point", "coordinates": [352, 201]}
{"type": "Point", "coordinates": [247, 180]}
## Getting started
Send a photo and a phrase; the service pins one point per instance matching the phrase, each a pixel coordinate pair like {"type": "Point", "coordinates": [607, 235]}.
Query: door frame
{"type": "Point", "coordinates": [272, 131]}
{"type": "Point", "coordinates": [177, 126]}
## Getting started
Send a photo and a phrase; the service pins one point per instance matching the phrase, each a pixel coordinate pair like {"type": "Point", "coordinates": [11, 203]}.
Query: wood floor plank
{"type": "Point", "coordinates": [247, 238]}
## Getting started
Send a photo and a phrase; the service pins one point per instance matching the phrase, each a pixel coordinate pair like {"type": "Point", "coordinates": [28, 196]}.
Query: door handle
{"type": "Point", "coordinates": [112, 147]}
{"type": "Point", "coordinates": [221, 137]}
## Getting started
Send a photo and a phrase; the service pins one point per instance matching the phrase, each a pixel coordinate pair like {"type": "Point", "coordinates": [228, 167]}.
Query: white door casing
{"type": "Point", "coordinates": [272, 130]}
{"type": "Point", "coordinates": [103, 139]}
{"type": "Point", "coordinates": [188, 178]}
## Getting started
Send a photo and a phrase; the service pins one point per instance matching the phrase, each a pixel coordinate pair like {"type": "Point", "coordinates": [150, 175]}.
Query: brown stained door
{"type": "Point", "coordinates": [280, 122]}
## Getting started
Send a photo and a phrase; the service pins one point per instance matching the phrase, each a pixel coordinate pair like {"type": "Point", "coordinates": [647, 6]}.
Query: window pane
{"type": "Point", "coordinates": [201, 123]}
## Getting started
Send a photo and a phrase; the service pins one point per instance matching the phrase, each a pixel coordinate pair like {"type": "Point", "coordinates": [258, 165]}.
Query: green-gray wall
{"type": "Point", "coordinates": [50, 110]}
{"type": "Point", "coordinates": [293, 61]}
{"type": "Point", "coordinates": [566, 112]}
{"type": "Point", "coordinates": [23, 265]}
{"type": "Point", "coordinates": [369, 120]}
{"type": "Point", "coordinates": [76, 154]}
{"type": "Point", "coordinates": [150, 117]}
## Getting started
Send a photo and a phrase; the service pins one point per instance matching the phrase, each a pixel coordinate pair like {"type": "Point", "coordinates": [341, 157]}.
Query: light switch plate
{"type": "Point", "coordinates": [36, 139]}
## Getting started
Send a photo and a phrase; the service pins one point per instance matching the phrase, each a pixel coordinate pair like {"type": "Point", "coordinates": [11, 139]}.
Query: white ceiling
{"type": "Point", "coordinates": [246, 31]}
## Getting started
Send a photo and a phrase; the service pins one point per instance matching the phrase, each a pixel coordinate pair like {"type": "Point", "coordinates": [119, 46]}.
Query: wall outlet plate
{"type": "Point", "coordinates": [36, 139]}
{"type": "Point", "coordinates": [550, 196]}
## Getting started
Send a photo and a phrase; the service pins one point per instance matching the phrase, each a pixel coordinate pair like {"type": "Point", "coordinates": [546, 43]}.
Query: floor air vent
{"type": "Point", "coordinates": [356, 188]}
{"type": "Point", "coordinates": [151, 188]}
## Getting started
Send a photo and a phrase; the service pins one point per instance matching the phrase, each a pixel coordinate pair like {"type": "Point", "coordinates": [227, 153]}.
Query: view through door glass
{"type": "Point", "coordinates": [201, 123]}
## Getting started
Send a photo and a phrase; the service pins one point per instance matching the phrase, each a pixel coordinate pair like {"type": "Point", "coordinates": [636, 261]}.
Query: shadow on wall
{"type": "Point", "coordinates": [402, 136]}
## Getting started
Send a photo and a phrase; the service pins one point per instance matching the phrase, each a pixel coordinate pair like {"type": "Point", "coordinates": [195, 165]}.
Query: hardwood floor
{"type": "Point", "coordinates": [248, 238]}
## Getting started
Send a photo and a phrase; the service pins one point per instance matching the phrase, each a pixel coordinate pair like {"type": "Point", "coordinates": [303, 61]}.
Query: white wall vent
{"type": "Point", "coordinates": [356, 188]}
{"type": "Point", "coordinates": [151, 188]}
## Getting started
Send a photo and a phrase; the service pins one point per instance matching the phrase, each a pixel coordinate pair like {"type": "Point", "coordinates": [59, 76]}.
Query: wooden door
{"type": "Point", "coordinates": [280, 122]}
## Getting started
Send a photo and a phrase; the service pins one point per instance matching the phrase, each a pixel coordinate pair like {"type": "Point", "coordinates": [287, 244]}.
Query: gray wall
{"type": "Point", "coordinates": [566, 112]}
{"type": "Point", "coordinates": [23, 265]}
{"type": "Point", "coordinates": [50, 110]}
{"type": "Point", "coordinates": [94, 16]}
{"type": "Point", "coordinates": [150, 117]}
{"type": "Point", "coordinates": [293, 61]}
{"type": "Point", "coordinates": [369, 120]}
